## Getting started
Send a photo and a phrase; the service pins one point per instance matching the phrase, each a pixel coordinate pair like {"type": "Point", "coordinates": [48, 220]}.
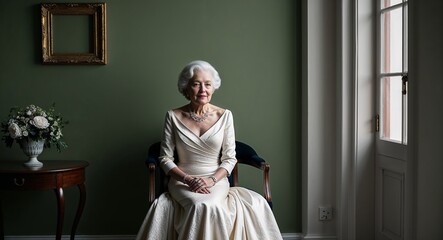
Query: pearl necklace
{"type": "Point", "coordinates": [196, 118]}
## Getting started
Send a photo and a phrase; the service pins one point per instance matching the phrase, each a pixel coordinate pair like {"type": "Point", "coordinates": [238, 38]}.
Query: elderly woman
{"type": "Point", "coordinates": [200, 204]}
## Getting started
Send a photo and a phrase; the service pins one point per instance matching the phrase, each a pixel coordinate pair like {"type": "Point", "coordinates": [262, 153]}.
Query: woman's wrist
{"type": "Point", "coordinates": [185, 178]}
{"type": "Point", "coordinates": [214, 180]}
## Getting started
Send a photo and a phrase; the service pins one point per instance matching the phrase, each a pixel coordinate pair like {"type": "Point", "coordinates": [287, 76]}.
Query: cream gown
{"type": "Point", "coordinates": [226, 213]}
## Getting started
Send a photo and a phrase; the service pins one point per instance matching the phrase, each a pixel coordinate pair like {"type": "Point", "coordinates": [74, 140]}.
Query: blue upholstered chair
{"type": "Point", "coordinates": [245, 154]}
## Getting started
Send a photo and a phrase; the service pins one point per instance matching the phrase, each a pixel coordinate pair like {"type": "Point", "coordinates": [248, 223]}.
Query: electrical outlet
{"type": "Point", "coordinates": [325, 213]}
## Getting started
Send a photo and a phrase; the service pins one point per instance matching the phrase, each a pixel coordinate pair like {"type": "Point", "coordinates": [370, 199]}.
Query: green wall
{"type": "Point", "coordinates": [116, 110]}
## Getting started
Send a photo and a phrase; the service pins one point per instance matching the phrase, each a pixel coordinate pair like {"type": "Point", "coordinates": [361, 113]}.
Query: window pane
{"type": "Point", "coordinates": [392, 41]}
{"type": "Point", "coordinates": [388, 3]}
{"type": "Point", "coordinates": [392, 109]}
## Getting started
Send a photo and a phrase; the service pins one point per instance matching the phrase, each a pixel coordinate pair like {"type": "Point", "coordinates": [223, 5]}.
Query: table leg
{"type": "Point", "coordinates": [81, 206]}
{"type": "Point", "coordinates": [60, 212]}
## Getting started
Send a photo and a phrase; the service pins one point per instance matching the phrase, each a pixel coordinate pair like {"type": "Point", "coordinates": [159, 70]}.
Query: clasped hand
{"type": "Point", "coordinates": [200, 185]}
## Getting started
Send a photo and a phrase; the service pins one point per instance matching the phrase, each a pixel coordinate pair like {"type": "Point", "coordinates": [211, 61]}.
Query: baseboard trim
{"type": "Point", "coordinates": [292, 236]}
{"type": "Point", "coordinates": [319, 237]}
{"type": "Point", "coordinates": [286, 236]}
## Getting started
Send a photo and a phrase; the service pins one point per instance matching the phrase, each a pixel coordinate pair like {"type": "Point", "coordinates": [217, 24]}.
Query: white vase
{"type": "Point", "coordinates": [32, 149]}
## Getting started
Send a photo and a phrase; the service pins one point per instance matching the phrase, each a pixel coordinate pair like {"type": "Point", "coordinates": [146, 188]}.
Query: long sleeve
{"type": "Point", "coordinates": [167, 145]}
{"type": "Point", "coordinates": [228, 159]}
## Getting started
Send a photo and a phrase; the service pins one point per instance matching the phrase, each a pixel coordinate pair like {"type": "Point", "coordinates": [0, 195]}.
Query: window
{"type": "Point", "coordinates": [393, 75]}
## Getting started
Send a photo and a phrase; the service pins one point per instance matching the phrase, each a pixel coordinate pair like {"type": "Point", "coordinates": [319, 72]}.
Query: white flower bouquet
{"type": "Point", "coordinates": [33, 122]}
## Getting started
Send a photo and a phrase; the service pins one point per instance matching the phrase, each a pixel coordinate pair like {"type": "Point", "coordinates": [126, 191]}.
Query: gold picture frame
{"type": "Point", "coordinates": [97, 53]}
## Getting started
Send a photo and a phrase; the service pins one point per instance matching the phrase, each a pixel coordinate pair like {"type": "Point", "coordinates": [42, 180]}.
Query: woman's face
{"type": "Point", "coordinates": [200, 87]}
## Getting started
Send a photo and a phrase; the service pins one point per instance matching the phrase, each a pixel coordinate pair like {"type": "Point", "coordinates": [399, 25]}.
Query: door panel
{"type": "Point", "coordinates": [390, 177]}
{"type": "Point", "coordinates": [392, 204]}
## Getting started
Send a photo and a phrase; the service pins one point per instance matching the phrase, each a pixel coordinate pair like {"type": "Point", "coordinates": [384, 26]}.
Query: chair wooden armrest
{"type": "Point", "coordinates": [247, 155]}
{"type": "Point", "coordinates": [151, 169]}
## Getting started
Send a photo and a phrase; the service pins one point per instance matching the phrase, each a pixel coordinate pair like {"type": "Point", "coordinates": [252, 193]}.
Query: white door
{"type": "Point", "coordinates": [392, 137]}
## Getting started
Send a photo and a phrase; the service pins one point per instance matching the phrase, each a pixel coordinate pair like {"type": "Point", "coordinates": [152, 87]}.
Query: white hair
{"type": "Point", "coordinates": [189, 71]}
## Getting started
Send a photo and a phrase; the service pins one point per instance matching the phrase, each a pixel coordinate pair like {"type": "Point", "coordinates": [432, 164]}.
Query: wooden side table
{"type": "Point", "coordinates": [55, 175]}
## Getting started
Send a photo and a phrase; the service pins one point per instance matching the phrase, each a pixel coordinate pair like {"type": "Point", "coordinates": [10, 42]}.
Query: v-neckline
{"type": "Point", "coordinates": [207, 130]}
